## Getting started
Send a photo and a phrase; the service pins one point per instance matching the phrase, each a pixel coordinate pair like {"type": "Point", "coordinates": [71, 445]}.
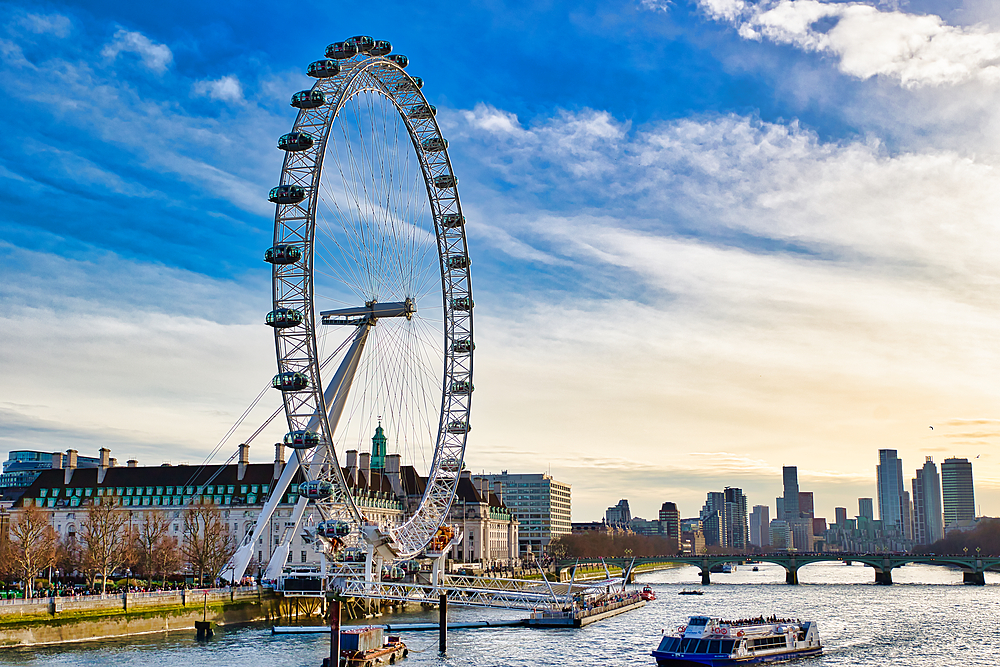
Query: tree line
{"type": "Point", "coordinates": [111, 539]}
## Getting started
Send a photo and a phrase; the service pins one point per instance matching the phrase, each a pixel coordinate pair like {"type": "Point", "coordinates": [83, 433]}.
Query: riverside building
{"type": "Point", "coordinates": [240, 490]}
{"type": "Point", "coordinates": [541, 505]}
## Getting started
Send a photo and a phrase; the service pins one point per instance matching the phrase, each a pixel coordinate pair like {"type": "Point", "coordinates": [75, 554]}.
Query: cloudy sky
{"type": "Point", "coordinates": [710, 237]}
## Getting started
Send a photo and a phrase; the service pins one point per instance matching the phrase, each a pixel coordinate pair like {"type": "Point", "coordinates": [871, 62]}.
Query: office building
{"type": "Point", "coordinates": [735, 519]}
{"type": "Point", "coordinates": [928, 525]}
{"type": "Point", "coordinates": [670, 521]}
{"type": "Point", "coordinates": [712, 518]}
{"type": "Point", "coordinates": [841, 515]}
{"type": "Point", "coordinates": [866, 509]}
{"type": "Point", "coordinates": [957, 494]}
{"type": "Point", "coordinates": [540, 503]}
{"type": "Point", "coordinates": [781, 536]}
{"type": "Point", "coordinates": [760, 522]}
{"type": "Point", "coordinates": [790, 495]}
{"type": "Point", "coordinates": [889, 477]}
{"type": "Point", "coordinates": [22, 467]}
{"type": "Point", "coordinates": [619, 516]}
{"type": "Point", "coordinates": [806, 510]}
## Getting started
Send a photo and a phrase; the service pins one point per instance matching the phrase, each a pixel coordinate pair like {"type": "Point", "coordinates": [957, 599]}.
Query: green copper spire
{"type": "Point", "coordinates": [378, 448]}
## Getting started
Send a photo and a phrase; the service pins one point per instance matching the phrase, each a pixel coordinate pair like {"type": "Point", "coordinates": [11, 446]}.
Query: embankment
{"type": "Point", "coordinates": [61, 620]}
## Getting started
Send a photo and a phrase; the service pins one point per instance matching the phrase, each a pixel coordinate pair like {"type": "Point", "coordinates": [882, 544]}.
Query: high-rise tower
{"type": "Point", "coordinates": [790, 486]}
{"type": "Point", "coordinates": [889, 474]}
{"type": "Point", "coordinates": [927, 524]}
{"type": "Point", "coordinates": [957, 492]}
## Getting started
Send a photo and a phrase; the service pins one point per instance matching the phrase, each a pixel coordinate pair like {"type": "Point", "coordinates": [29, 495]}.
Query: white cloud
{"type": "Point", "coordinates": [656, 5]}
{"type": "Point", "coordinates": [227, 89]}
{"type": "Point", "coordinates": [915, 50]}
{"type": "Point", "coordinates": [156, 57]}
{"type": "Point", "coordinates": [54, 24]}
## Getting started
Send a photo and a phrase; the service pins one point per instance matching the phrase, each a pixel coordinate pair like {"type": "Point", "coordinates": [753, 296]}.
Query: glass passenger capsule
{"type": "Point", "coordinates": [434, 144]}
{"type": "Point", "coordinates": [394, 573]}
{"type": "Point", "coordinates": [422, 111]}
{"type": "Point", "coordinates": [316, 489]}
{"type": "Point", "coordinates": [334, 528]}
{"type": "Point", "coordinates": [459, 262]}
{"type": "Point", "coordinates": [463, 346]}
{"type": "Point", "coordinates": [286, 194]}
{"type": "Point", "coordinates": [399, 59]}
{"type": "Point", "coordinates": [295, 141]}
{"type": "Point", "coordinates": [411, 566]}
{"type": "Point", "coordinates": [341, 50]}
{"type": "Point", "coordinates": [301, 439]}
{"type": "Point", "coordinates": [284, 318]}
{"type": "Point", "coordinates": [381, 48]}
{"type": "Point", "coordinates": [458, 426]}
{"type": "Point", "coordinates": [308, 99]}
{"type": "Point", "coordinates": [413, 83]}
{"type": "Point", "coordinates": [282, 253]}
{"type": "Point", "coordinates": [290, 381]}
{"type": "Point", "coordinates": [452, 220]}
{"type": "Point", "coordinates": [461, 303]}
{"type": "Point", "coordinates": [445, 181]}
{"type": "Point", "coordinates": [462, 387]}
{"type": "Point", "coordinates": [364, 43]}
{"type": "Point", "coordinates": [323, 69]}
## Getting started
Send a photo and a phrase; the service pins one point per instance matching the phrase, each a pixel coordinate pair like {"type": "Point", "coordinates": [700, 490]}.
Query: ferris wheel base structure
{"type": "Point", "coordinates": [367, 221]}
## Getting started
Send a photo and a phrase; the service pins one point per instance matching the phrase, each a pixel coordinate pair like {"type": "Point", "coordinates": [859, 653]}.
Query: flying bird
{"type": "Point", "coordinates": [931, 427]}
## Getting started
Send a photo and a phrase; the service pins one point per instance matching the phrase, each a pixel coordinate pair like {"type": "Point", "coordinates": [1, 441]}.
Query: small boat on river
{"type": "Point", "coordinates": [693, 591]}
{"type": "Point", "coordinates": [647, 594]}
{"type": "Point", "coordinates": [717, 643]}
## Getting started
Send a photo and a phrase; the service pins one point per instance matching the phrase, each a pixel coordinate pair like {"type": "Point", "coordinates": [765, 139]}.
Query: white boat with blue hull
{"type": "Point", "coordinates": [716, 643]}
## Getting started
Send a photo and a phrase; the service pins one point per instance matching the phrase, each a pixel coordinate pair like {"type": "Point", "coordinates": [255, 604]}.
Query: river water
{"type": "Point", "coordinates": [926, 618]}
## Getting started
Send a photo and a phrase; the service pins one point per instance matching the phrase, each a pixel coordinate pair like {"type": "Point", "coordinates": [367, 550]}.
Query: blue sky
{"type": "Point", "coordinates": [710, 237]}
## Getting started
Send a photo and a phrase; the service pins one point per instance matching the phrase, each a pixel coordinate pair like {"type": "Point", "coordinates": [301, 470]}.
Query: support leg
{"type": "Point", "coordinates": [443, 623]}
{"type": "Point", "coordinates": [705, 578]}
{"type": "Point", "coordinates": [974, 578]}
{"type": "Point", "coordinates": [334, 633]}
{"type": "Point", "coordinates": [883, 577]}
{"type": "Point", "coordinates": [792, 577]}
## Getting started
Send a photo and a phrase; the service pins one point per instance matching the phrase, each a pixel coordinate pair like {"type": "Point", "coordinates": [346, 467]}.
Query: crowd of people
{"type": "Point", "coordinates": [760, 620]}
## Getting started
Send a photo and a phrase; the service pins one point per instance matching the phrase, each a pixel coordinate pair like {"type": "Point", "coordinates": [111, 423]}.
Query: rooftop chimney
{"type": "Point", "coordinates": [113, 462]}
{"type": "Point", "coordinates": [392, 472]}
{"type": "Point", "coordinates": [279, 458]}
{"type": "Point", "coordinates": [498, 491]}
{"type": "Point", "coordinates": [57, 459]}
{"type": "Point", "coordinates": [132, 463]}
{"type": "Point", "coordinates": [352, 467]}
{"type": "Point", "coordinates": [364, 467]}
{"type": "Point", "coordinates": [103, 464]}
{"type": "Point", "coordinates": [241, 470]}
{"type": "Point", "coordinates": [70, 466]}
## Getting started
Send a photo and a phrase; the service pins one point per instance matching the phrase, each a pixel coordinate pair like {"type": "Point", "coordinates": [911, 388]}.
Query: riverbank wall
{"type": "Point", "coordinates": [64, 620]}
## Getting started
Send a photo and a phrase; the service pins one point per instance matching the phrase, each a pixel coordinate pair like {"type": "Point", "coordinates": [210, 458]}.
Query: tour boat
{"type": "Point", "coordinates": [647, 594]}
{"type": "Point", "coordinates": [693, 591]}
{"type": "Point", "coordinates": [715, 642]}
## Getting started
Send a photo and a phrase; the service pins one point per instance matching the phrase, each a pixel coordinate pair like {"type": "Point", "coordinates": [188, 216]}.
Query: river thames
{"type": "Point", "coordinates": [926, 618]}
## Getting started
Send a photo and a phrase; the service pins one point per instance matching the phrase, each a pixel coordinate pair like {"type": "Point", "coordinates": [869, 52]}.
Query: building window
{"type": "Point", "coordinates": [303, 556]}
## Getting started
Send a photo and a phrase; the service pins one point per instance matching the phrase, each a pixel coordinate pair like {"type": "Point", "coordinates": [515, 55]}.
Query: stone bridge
{"type": "Point", "coordinates": [973, 567]}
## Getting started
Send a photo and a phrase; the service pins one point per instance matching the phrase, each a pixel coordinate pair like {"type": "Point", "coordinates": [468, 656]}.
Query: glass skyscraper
{"type": "Point", "coordinates": [889, 475]}
{"type": "Point", "coordinates": [927, 525]}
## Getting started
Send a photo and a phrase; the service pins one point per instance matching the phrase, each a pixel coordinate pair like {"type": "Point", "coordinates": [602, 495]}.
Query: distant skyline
{"type": "Point", "coordinates": [710, 238]}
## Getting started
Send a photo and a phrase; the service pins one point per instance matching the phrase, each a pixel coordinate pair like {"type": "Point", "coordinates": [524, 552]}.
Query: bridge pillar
{"type": "Point", "coordinates": [883, 577]}
{"type": "Point", "coordinates": [705, 579]}
{"type": "Point", "coordinates": [792, 576]}
{"type": "Point", "coordinates": [974, 578]}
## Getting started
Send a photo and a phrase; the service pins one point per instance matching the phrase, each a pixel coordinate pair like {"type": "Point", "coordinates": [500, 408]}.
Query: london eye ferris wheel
{"type": "Point", "coordinates": [371, 287]}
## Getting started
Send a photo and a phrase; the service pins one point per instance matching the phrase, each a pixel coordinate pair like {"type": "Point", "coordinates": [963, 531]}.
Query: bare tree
{"type": "Point", "coordinates": [147, 539]}
{"type": "Point", "coordinates": [104, 539]}
{"type": "Point", "coordinates": [208, 543]}
{"type": "Point", "coordinates": [167, 557]}
{"type": "Point", "coordinates": [31, 545]}
{"type": "Point", "coordinates": [68, 556]}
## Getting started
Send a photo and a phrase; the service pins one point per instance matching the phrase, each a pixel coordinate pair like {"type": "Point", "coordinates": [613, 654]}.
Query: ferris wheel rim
{"type": "Point", "coordinates": [387, 79]}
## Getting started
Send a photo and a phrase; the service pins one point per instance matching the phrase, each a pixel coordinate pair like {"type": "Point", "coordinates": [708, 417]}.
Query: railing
{"type": "Point", "coordinates": [187, 596]}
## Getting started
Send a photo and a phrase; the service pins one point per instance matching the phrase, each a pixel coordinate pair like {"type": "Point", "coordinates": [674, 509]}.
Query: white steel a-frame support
{"type": "Point", "coordinates": [335, 397]}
